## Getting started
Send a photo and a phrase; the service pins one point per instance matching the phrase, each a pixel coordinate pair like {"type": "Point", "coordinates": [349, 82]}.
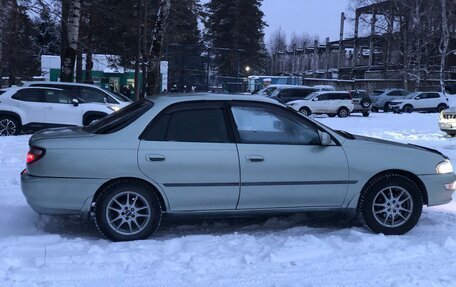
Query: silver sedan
{"type": "Point", "coordinates": [226, 154]}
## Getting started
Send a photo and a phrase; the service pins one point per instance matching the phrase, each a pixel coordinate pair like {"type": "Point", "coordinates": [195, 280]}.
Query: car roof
{"type": "Point", "coordinates": [28, 83]}
{"type": "Point", "coordinates": [331, 92]}
{"type": "Point", "coordinates": [15, 89]}
{"type": "Point", "coordinates": [177, 98]}
{"type": "Point", "coordinates": [287, 87]}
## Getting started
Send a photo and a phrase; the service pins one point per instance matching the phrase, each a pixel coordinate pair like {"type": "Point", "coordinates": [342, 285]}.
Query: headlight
{"type": "Point", "coordinates": [444, 167]}
{"type": "Point", "coordinates": [292, 104]}
{"type": "Point", "coordinates": [115, 109]}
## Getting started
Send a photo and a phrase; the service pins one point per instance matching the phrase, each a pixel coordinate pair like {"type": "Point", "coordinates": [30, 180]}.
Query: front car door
{"type": "Point", "coordinates": [60, 110]}
{"type": "Point", "coordinates": [282, 162]}
{"type": "Point", "coordinates": [189, 151]}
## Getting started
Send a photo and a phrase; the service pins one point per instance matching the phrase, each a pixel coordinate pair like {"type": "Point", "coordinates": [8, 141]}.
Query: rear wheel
{"type": "Point", "coordinates": [331, 115]}
{"type": "Point", "coordinates": [127, 211]}
{"type": "Point", "coordinates": [366, 114]}
{"type": "Point", "coordinates": [9, 126]}
{"type": "Point", "coordinates": [366, 102]}
{"type": "Point", "coordinates": [305, 111]}
{"type": "Point", "coordinates": [386, 107]}
{"type": "Point", "coordinates": [441, 108]}
{"type": "Point", "coordinates": [374, 109]}
{"type": "Point", "coordinates": [343, 112]}
{"type": "Point", "coordinates": [390, 204]}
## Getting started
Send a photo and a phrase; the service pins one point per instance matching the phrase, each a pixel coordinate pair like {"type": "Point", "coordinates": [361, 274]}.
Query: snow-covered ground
{"type": "Point", "coordinates": [292, 250]}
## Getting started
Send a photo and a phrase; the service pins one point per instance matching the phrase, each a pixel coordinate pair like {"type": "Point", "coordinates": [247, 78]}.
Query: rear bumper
{"type": "Point", "coordinates": [58, 196]}
{"type": "Point", "coordinates": [435, 186]}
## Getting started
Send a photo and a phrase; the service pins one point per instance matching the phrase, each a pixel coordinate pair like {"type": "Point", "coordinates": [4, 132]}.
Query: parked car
{"type": "Point", "coordinates": [87, 92]}
{"type": "Point", "coordinates": [450, 88]}
{"type": "Point", "coordinates": [382, 98]}
{"type": "Point", "coordinates": [330, 103]}
{"type": "Point", "coordinates": [362, 102]}
{"type": "Point", "coordinates": [420, 102]}
{"type": "Point", "coordinates": [2, 91]}
{"type": "Point", "coordinates": [323, 88]}
{"type": "Point", "coordinates": [267, 91]}
{"type": "Point", "coordinates": [226, 154]}
{"type": "Point", "coordinates": [447, 121]}
{"type": "Point", "coordinates": [35, 108]}
{"type": "Point", "coordinates": [288, 94]}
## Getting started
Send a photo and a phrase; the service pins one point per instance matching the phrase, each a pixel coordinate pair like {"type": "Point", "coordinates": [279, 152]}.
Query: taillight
{"type": "Point", "coordinates": [35, 154]}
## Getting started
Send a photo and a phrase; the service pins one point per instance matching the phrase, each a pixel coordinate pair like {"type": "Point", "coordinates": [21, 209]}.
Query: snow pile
{"type": "Point", "coordinates": [295, 250]}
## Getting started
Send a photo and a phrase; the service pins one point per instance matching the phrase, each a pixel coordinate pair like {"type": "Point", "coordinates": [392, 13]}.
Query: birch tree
{"type": "Point", "coordinates": [155, 52]}
{"type": "Point", "coordinates": [71, 45]}
{"type": "Point", "coordinates": [444, 41]}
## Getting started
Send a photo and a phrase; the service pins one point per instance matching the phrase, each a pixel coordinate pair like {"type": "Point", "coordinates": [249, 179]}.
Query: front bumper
{"type": "Point", "coordinates": [435, 187]}
{"type": "Point", "coordinates": [58, 196]}
{"type": "Point", "coordinates": [447, 126]}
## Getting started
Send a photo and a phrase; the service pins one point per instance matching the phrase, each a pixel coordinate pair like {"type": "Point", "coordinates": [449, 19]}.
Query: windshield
{"type": "Point", "coordinates": [118, 96]}
{"type": "Point", "coordinates": [266, 91]}
{"type": "Point", "coordinates": [120, 119]}
{"type": "Point", "coordinates": [412, 95]}
{"type": "Point", "coordinates": [310, 96]}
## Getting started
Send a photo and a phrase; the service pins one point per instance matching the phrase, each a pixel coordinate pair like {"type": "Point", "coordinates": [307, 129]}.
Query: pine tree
{"type": "Point", "coordinates": [183, 46]}
{"type": "Point", "coordinates": [47, 35]}
{"type": "Point", "coordinates": [235, 31]}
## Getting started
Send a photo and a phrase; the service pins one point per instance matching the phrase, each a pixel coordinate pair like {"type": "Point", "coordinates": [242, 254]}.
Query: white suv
{"type": "Point", "coordinates": [420, 102]}
{"type": "Point", "coordinates": [88, 93]}
{"type": "Point", "coordinates": [330, 103]}
{"type": "Point", "coordinates": [35, 108]}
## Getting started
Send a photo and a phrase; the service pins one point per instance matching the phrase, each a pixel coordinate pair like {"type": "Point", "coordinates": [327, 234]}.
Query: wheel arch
{"type": "Point", "coordinates": [407, 174]}
{"type": "Point", "coordinates": [134, 180]}
{"type": "Point", "coordinates": [13, 115]}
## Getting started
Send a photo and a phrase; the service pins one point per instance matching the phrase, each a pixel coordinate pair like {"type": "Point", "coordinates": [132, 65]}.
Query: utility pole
{"type": "Point", "coordinates": [340, 61]}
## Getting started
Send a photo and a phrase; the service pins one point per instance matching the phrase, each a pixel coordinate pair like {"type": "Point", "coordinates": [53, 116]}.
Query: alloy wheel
{"type": "Point", "coordinates": [7, 127]}
{"type": "Point", "coordinates": [128, 213]}
{"type": "Point", "coordinates": [393, 206]}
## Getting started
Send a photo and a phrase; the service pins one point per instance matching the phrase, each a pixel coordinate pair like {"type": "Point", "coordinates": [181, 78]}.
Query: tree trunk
{"type": "Point", "coordinates": [69, 56]}
{"type": "Point", "coordinates": [444, 43]}
{"type": "Point", "coordinates": [79, 66]}
{"type": "Point", "coordinates": [153, 77]}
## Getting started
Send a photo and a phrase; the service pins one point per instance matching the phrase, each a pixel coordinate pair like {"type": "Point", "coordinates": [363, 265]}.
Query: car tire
{"type": "Point", "coordinates": [390, 204]}
{"type": "Point", "coordinates": [305, 111]}
{"type": "Point", "coordinates": [374, 109]}
{"type": "Point", "coordinates": [441, 108]}
{"type": "Point", "coordinates": [366, 114]}
{"type": "Point", "coordinates": [9, 126]}
{"type": "Point", "coordinates": [386, 107]}
{"type": "Point", "coordinates": [127, 211]}
{"type": "Point", "coordinates": [408, 109]}
{"type": "Point", "coordinates": [366, 102]}
{"type": "Point", "coordinates": [332, 115]}
{"type": "Point", "coordinates": [343, 112]}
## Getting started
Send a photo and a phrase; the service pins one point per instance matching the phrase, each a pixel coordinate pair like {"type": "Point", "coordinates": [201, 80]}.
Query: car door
{"type": "Point", "coordinates": [282, 162]}
{"type": "Point", "coordinates": [190, 153]}
{"type": "Point", "coordinates": [29, 104]}
{"type": "Point", "coordinates": [320, 103]}
{"type": "Point", "coordinates": [60, 110]}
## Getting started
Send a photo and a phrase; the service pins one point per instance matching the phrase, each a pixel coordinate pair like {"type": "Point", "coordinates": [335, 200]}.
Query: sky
{"type": "Point", "coordinates": [314, 17]}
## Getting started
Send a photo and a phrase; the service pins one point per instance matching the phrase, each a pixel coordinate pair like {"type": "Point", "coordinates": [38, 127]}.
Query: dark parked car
{"type": "Point", "coordinates": [362, 102]}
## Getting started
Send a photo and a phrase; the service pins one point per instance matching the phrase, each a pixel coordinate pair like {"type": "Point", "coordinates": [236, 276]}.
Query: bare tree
{"type": "Point", "coordinates": [444, 40]}
{"type": "Point", "coordinates": [72, 38]}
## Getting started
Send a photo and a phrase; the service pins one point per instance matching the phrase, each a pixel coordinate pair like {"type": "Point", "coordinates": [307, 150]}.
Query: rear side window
{"type": "Point", "coordinates": [395, 93]}
{"type": "Point", "coordinates": [204, 124]}
{"type": "Point", "coordinates": [432, 95]}
{"type": "Point", "coordinates": [29, 95]}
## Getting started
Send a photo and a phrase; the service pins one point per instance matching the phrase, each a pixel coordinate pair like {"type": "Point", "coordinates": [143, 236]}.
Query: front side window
{"type": "Point", "coordinates": [91, 95]}
{"type": "Point", "coordinates": [57, 97]}
{"type": "Point", "coordinates": [395, 93]}
{"type": "Point", "coordinates": [263, 125]}
{"type": "Point", "coordinates": [190, 124]}
{"type": "Point", "coordinates": [29, 95]}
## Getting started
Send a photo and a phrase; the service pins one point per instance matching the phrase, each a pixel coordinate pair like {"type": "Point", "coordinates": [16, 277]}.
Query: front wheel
{"type": "Point", "coordinates": [305, 111]}
{"type": "Point", "coordinates": [390, 204]}
{"type": "Point", "coordinates": [127, 211]}
{"type": "Point", "coordinates": [408, 109]}
{"type": "Point", "coordinates": [9, 126]}
{"type": "Point", "coordinates": [441, 108]}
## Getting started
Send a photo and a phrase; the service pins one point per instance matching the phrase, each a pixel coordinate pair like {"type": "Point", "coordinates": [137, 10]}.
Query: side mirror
{"type": "Point", "coordinates": [75, 102]}
{"type": "Point", "coordinates": [325, 138]}
{"type": "Point", "coordinates": [418, 98]}
{"type": "Point", "coordinates": [315, 99]}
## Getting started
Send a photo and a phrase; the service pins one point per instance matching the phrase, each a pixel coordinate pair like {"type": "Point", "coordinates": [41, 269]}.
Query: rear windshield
{"type": "Point", "coordinates": [120, 119]}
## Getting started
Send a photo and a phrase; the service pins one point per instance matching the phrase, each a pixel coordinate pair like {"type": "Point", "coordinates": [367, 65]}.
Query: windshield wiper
{"type": "Point", "coordinates": [346, 134]}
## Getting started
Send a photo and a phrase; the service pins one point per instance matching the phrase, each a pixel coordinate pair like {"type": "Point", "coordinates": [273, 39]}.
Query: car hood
{"type": "Point", "coordinates": [60, 133]}
{"type": "Point", "coordinates": [450, 110]}
{"type": "Point", "coordinates": [392, 143]}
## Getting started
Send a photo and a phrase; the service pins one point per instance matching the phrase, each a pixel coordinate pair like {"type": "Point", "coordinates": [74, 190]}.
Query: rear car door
{"type": "Point", "coordinates": [282, 162]}
{"type": "Point", "coordinates": [60, 110]}
{"type": "Point", "coordinates": [29, 104]}
{"type": "Point", "coordinates": [189, 151]}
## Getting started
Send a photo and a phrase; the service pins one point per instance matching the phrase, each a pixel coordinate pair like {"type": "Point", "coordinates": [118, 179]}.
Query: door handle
{"type": "Point", "coordinates": [155, 157]}
{"type": "Point", "coordinates": [255, 158]}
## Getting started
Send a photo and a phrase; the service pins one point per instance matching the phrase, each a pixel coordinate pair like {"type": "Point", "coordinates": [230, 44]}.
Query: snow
{"type": "Point", "coordinates": [315, 249]}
